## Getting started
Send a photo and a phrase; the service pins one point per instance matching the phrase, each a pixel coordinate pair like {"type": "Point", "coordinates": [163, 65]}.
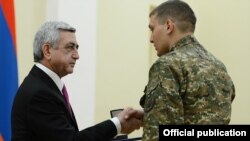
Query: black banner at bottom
{"type": "Point", "coordinates": [203, 132]}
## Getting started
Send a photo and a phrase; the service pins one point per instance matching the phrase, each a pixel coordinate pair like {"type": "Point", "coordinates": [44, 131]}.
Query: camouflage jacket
{"type": "Point", "coordinates": [188, 85]}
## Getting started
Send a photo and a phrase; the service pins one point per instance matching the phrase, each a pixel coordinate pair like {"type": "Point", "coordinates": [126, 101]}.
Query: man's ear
{"type": "Point", "coordinates": [169, 25]}
{"type": "Point", "coordinates": [46, 51]}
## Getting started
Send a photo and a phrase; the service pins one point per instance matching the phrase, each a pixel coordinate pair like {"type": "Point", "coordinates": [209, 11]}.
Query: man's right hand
{"type": "Point", "coordinates": [130, 120]}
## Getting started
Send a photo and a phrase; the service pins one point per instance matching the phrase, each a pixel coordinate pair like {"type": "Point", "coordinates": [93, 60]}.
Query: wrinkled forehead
{"type": "Point", "coordinates": [67, 36]}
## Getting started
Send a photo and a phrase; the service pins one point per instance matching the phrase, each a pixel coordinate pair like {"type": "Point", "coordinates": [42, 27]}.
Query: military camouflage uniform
{"type": "Point", "coordinates": [188, 85]}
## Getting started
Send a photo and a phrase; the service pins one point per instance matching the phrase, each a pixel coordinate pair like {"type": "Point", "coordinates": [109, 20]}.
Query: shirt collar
{"type": "Point", "coordinates": [52, 75]}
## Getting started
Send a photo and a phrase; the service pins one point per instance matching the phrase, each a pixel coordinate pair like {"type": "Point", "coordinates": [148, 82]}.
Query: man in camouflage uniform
{"type": "Point", "coordinates": [187, 84]}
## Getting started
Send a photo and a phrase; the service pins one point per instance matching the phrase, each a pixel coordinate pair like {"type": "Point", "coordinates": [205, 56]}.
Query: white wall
{"type": "Point", "coordinates": [81, 84]}
{"type": "Point", "coordinates": [114, 49]}
{"type": "Point", "coordinates": [81, 14]}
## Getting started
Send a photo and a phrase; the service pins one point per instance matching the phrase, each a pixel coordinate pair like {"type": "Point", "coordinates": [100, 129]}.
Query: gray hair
{"type": "Point", "coordinates": [48, 33]}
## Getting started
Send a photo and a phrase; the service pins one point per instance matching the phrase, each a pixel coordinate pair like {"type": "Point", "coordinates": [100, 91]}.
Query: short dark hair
{"type": "Point", "coordinates": [178, 11]}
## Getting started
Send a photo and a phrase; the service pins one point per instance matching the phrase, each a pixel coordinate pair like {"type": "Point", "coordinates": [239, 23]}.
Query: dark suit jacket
{"type": "Point", "coordinates": [40, 113]}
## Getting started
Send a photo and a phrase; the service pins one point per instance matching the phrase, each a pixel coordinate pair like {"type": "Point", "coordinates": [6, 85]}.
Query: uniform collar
{"type": "Point", "coordinates": [184, 41]}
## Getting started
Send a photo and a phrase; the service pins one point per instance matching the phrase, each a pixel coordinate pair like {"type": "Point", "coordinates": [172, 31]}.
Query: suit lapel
{"type": "Point", "coordinates": [74, 119]}
{"type": "Point", "coordinates": [51, 84]}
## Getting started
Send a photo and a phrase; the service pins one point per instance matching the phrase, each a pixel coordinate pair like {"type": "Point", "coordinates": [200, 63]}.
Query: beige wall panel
{"type": "Point", "coordinates": [123, 50]}
{"type": "Point", "coordinates": [29, 16]}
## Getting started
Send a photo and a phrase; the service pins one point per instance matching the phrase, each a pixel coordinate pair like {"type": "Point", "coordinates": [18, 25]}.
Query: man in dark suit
{"type": "Point", "coordinates": [41, 111]}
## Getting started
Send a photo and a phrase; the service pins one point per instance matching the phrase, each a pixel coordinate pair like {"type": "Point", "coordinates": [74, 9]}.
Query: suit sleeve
{"type": "Point", "coordinates": [50, 122]}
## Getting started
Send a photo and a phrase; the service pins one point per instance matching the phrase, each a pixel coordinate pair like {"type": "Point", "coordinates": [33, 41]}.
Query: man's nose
{"type": "Point", "coordinates": [151, 39]}
{"type": "Point", "coordinates": [76, 55]}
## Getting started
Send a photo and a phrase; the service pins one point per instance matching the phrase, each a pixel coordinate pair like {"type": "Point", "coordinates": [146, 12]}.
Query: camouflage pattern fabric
{"type": "Point", "coordinates": [188, 85]}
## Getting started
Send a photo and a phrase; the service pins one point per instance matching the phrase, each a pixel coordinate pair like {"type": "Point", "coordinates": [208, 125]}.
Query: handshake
{"type": "Point", "coordinates": [130, 120]}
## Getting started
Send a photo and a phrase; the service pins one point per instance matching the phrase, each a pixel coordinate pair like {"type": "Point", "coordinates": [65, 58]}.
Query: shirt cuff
{"type": "Point", "coordinates": [117, 123]}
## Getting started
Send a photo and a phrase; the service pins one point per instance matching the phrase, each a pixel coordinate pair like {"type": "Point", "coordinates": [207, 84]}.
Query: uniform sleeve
{"type": "Point", "coordinates": [163, 103]}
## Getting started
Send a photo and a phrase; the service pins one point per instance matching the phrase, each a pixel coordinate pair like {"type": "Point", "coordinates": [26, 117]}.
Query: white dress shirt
{"type": "Point", "coordinates": [59, 83]}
